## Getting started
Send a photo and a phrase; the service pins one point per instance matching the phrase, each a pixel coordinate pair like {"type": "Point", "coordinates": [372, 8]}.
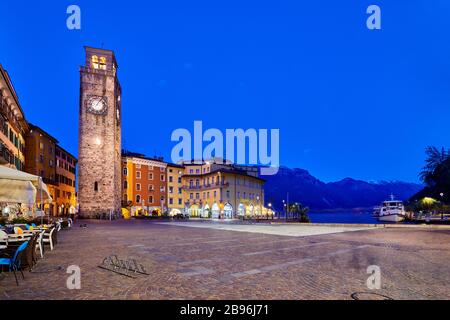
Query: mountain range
{"type": "Point", "coordinates": [346, 194]}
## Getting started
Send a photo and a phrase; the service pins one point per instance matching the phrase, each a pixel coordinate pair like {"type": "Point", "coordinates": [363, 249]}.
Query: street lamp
{"type": "Point", "coordinates": [260, 207]}
{"type": "Point", "coordinates": [270, 210]}
{"type": "Point", "coordinates": [442, 204]}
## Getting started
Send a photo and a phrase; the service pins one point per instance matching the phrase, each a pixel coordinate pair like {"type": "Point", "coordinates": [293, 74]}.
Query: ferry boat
{"type": "Point", "coordinates": [391, 211]}
{"type": "Point", "coordinates": [376, 211]}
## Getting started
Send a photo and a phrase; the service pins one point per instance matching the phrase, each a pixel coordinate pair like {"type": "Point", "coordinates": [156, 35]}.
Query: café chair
{"type": "Point", "coordinates": [14, 264]}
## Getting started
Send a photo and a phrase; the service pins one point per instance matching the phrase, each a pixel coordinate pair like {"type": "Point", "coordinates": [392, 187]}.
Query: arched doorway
{"type": "Point", "coordinates": [256, 211]}
{"type": "Point", "coordinates": [206, 211]}
{"type": "Point", "coordinates": [215, 211]}
{"type": "Point", "coordinates": [174, 212]}
{"type": "Point", "coordinates": [241, 210]}
{"type": "Point", "coordinates": [228, 211]}
{"type": "Point", "coordinates": [194, 211]}
{"type": "Point", "coordinates": [250, 210]}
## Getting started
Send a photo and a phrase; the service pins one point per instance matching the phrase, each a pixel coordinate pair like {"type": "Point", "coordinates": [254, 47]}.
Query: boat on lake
{"type": "Point", "coordinates": [391, 211]}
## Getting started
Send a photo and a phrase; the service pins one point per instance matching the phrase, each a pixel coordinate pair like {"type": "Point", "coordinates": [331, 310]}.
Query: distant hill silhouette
{"type": "Point", "coordinates": [345, 194]}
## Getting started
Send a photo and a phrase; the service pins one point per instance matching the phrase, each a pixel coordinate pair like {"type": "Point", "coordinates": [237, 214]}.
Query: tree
{"type": "Point", "coordinates": [299, 212]}
{"type": "Point", "coordinates": [436, 175]}
{"type": "Point", "coordinates": [428, 204]}
{"type": "Point", "coordinates": [436, 164]}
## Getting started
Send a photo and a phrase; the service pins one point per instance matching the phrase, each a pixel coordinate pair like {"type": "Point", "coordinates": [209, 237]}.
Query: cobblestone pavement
{"type": "Point", "coordinates": [211, 263]}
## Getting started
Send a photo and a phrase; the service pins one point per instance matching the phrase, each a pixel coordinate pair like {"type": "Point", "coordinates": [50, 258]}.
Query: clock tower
{"type": "Point", "coordinates": [99, 153]}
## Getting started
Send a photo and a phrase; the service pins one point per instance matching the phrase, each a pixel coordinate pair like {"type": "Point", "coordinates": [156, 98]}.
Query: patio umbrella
{"type": "Point", "coordinates": [21, 187]}
{"type": "Point", "coordinates": [17, 191]}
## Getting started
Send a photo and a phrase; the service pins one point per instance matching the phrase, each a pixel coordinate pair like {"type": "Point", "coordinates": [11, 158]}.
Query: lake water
{"type": "Point", "coordinates": [343, 217]}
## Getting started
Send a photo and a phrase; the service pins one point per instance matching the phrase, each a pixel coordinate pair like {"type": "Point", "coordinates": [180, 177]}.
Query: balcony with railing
{"type": "Point", "coordinates": [89, 69]}
{"type": "Point", "coordinates": [206, 186]}
{"type": "Point", "coordinates": [50, 181]}
{"type": "Point", "coordinates": [6, 156]}
{"type": "Point", "coordinates": [3, 108]}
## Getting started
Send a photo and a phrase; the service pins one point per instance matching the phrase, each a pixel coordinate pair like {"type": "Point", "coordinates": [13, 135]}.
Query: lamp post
{"type": "Point", "coordinates": [270, 210]}
{"type": "Point", "coordinates": [143, 207]}
{"type": "Point", "coordinates": [442, 205]}
{"type": "Point", "coordinates": [260, 207]}
{"type": "Point", "coordinates": [288, 211]}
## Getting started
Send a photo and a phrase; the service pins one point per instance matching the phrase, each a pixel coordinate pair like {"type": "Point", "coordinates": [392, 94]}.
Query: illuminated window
{"type": "Point", "coordinates": [102, 64]}
{"type": "Point", "coordinates": [94, 60]}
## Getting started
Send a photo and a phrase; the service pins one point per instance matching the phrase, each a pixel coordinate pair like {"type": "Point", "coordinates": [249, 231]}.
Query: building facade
{"type": "Point", "coordinates": [216, 190]}
{"type": "Point", "coordinates": [46, 158]}
{"type": "Point", "coordinates": [40, 160]}
{"type": "Point", "coordinates": [210, 189]}
{"type": "Point", "coordinates": [65, 199]}
{"type": "Point", "coordinates": [144, 184]}
{"type": "Point", "coordinates": [99, 167]}
{"type": "Point", "coordinates": [175, 204]}
{"type": "Point", "coordinates": [13, 126]}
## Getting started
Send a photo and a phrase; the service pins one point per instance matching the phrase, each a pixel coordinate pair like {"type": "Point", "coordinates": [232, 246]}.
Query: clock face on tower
{"type": "Point", "coordinates": [97, 105]}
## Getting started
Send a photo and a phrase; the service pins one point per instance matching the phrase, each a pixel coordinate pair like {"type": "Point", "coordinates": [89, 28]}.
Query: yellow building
{"type": "Point", "coordinates": [215, 190]}
{"type": "Point", "coordinates": [174, 197]}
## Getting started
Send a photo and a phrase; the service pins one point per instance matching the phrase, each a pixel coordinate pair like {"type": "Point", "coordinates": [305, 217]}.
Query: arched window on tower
{"type": "Point", "coordinates": [102, 64]}
{"type": "Point", "coordinates": [95, 186]}
{"type": "Point", "coordinates": [94, 60]}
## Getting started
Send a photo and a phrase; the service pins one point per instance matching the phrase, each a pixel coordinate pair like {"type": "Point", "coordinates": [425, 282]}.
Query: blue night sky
{"type": "Point", "coordinates": [349, 102]}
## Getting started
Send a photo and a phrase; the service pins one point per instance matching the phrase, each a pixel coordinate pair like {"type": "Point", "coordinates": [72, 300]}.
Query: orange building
{"type": "Point", "coordinates": [57, 167]}
{"type": "Point", "coordinates": [144, 184]}
{"type": "Point", "coordinates": [40, 160]}
{"type": "Point", "coordinates": [13, 126]}
{"type": "Point", "coordinates": [66, 197]}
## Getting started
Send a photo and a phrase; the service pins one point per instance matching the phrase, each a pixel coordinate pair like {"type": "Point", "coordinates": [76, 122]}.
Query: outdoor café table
{"type": "Point", "coordinates": [18, 237]}
{"type": "Point", "coordinates": [31, 231]}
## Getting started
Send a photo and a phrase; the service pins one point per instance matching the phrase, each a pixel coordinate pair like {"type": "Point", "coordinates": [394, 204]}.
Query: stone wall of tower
{"type": "Point", "coordinates": [99, 145]}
